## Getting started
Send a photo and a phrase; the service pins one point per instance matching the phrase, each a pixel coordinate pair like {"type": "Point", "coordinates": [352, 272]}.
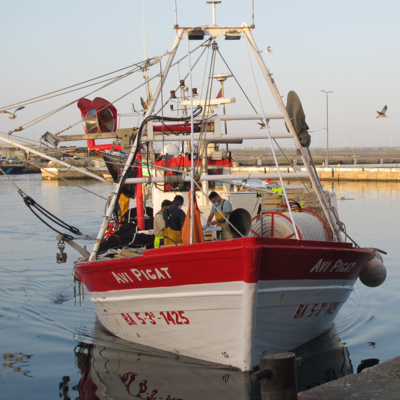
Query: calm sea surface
{"type": "Point", "coordinates": [52, 347]}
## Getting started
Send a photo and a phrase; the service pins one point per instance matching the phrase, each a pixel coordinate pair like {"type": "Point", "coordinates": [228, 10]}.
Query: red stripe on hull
{"type": "Point", "coordinates": [248, 260]}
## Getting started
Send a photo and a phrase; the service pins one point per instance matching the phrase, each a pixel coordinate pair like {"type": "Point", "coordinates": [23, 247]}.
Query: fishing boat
{"type": "Point", "coordinates": [277, 273]}
{"type": "Point", "coordinates": [284, 267]}
{"type": "Point", "coordinates": [52, 171]}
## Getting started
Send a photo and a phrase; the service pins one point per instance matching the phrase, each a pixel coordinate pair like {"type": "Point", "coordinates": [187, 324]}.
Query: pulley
{"type": "Point", "coordinates": [61, 257]}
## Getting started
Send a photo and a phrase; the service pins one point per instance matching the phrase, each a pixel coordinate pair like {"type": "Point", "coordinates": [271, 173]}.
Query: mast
{"type": "Point", "coordinates": [192, 194]}
{"type": "Point", "coordinates": [231, 33]}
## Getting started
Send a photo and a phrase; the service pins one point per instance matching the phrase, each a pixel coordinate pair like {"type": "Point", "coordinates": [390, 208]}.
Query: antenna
{"type": "Point", "coordinates": [252, 12]}
{"type": "Point", "coordinates": [214, 3]}
{"type": "Point", "coordinates": [176, 14]}
{"type": "Point", "coordinates": [144, 31]}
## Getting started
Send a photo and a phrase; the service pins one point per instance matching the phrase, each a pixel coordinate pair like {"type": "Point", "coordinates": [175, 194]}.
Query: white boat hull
{"type": "Point", "coordinates": [230, 322]}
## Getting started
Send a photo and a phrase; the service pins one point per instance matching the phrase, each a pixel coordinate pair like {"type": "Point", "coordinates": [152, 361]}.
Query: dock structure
{"type": "Point", "coordinates": [253, 156]}
{"type": "Point", "coordinates": [337, 173]}
{"type": "Point", "coordinates": [360, 173]}
{"type": "Point", "coordinates": [381, 382]}
{"type": "Point", "coordinates": [345, 164]}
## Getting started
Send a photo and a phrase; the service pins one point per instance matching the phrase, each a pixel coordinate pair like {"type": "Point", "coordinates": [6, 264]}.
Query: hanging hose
{"type": "Point", "coordinates": [33, 205]}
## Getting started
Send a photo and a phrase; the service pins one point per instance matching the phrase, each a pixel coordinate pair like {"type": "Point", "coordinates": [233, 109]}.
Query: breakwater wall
{"type": "Point", "coordinates": [337, 173]}
{"type": "Point", "coordinates": [255, 156]}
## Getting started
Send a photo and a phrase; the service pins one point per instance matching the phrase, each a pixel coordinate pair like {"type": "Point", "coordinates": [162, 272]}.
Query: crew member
{"type": "Point", "coordinates": [174, 218]}
{"type": "Point", "coordinates": [221, 209]}
{"type": "Point", "coordinates": [159, 223]}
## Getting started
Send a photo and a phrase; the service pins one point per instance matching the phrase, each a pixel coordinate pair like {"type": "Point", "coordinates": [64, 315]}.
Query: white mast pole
{"type": "Point", "coordinates": [192, 194]}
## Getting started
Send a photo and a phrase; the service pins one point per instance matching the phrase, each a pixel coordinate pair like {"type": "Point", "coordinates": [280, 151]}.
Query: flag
{"type": "Point", "coordinates": [219, 94]}
{"type": "Point", "coordinates": [197, 228]}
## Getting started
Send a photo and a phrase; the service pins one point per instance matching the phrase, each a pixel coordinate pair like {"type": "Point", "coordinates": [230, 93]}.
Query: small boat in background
{"type": "Point", "coordinates": [12, 169]}
{"type": "Point", "coordinates": [53, 171]}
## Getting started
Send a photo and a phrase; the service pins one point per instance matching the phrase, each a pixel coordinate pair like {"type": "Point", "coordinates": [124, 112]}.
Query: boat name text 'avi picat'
{"type": "Point", "coordinates": [339, 266]}
{"type": "Point", "coordinates": [149, 274]}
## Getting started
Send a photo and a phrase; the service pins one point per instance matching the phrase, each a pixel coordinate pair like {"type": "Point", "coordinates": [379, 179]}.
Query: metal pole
{"type": "Point", "coordinates": [327, 128]}
{"type": "Point", "coordinates": [192, 193]}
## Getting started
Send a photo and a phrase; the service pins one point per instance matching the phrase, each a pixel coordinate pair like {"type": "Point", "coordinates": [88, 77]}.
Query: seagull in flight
{"type": "Point", "coordinates": [12, 115]}
{"type": "Point", "coordinates": [382, 114]}
{"type": "Point", "coordinates": [145, 104]}
{"type": "Point", "coordinates": [263, 126]}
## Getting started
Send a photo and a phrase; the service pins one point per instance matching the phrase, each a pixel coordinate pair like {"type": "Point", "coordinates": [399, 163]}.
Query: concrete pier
{"type": "Point", "coordinates": [337, 173]}
{"type": "Point", "coordinates": [255, 156]}
{"type": "Point", "coordinates": [360, 173]}
{"type": "Point", "coordinates": [379, 382]}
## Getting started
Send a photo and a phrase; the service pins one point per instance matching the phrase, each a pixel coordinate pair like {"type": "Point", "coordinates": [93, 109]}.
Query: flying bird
{"type": "Point", "coordinates": [382, 114]}
{"type": "Point", "coordinates": [262, 124]}
{"type": "Point", "coordinates": [144, 104]}
{"type": "Point", "coordinates": [373, 344]}
{"type": "Point", "coordinates": [12, 115]}
{"type": "Point", "coordinates": [269, 50]}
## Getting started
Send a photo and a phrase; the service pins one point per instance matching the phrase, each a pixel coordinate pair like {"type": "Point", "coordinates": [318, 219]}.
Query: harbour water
{"type": "Point", "coordinates": [52, 347]}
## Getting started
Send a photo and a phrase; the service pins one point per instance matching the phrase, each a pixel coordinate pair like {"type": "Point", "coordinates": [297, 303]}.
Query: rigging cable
{"type": "Point", "coordinates": [44, 116]}
{"type": "Point", "coordinates": [152, 61]}
{"type": "Point", "coordinates": [203, 131]}
{"type": "Point", "coordinates": [60, 90]}
{"type": "Point", "coordinates": [31, 203]}
{"type": "Point", "coordinates": [271, 142]}
{"type": "Point", "coordinates": [255, 110]}
{"type": "Point", "coordinates": [237, 82]}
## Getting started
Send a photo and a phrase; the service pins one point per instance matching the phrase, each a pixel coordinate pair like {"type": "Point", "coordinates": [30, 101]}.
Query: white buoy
{"type": "Point", "coordinates": [373, 273]}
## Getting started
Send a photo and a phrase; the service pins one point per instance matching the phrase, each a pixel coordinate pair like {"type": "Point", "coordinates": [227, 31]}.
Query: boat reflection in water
{"type": "Point", "coordinates": [112, 368]}
{"type": "Point", "coordinates": [324, 359]}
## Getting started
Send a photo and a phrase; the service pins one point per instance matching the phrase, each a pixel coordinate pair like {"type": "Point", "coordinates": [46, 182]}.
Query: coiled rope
{"type": "Point", "coordinates": [279, 225]}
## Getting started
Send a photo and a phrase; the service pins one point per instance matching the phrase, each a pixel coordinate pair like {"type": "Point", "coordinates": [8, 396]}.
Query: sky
{"type": "Point", "coordinates": [348, 47]}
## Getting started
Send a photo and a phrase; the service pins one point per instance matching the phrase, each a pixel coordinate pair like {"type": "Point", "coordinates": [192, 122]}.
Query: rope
{"type": "Point", "coordinates": [237, 82]}
{"type": "Point", "coordinates": [29, 101]}
{"type": "Point", "coordinates": [342, 226]}
{"type": "Point", "coordinates": [277, 225]}
{"type": "Point", "coordinates": [44, 116]}
{"type": "Point", "coordinates": [32, 204]}
{"type": "Point", "coordinates": [110, 82]}
{"type": "Point", "coordinates": [8, 178]}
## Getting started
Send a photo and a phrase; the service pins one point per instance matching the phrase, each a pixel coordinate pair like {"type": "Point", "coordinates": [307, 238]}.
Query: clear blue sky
{"type": "Point", "coordinates": [345, 46]}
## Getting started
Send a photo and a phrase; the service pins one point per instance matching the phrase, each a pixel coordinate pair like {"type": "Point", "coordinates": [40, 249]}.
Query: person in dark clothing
{"type": "Point", "coordinates": [174, 218]}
